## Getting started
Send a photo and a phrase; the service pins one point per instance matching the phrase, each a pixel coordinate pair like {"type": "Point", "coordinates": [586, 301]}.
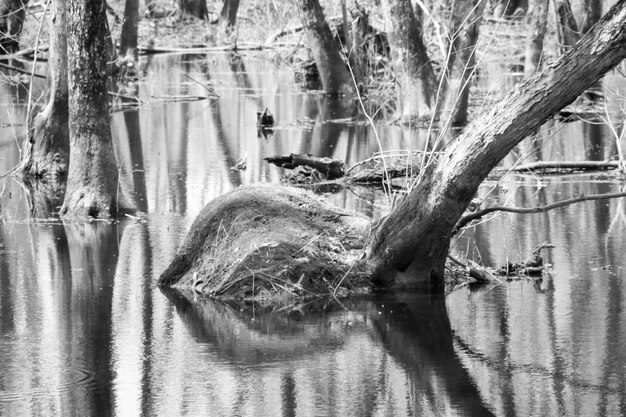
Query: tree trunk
{"type": "Point", "coordinates": [228, 16]}
{"type": "Point", "coordinates": [567, 28]}
{"type": "Point", "coordinates": [336, 78]}
{"type": "Point", "coordinates": [538, 18]}
{"type": "Point", "coordinates": [509, 8]}
{"type": "Point", "coordinates": [12, 14]}
{"type": "Point", "coordinates": [587, 13]}
{"type": "Point", "coordinates": [410, 246]}
{"type": "Point", "coordinates": [129, 29]}
{"type": "Point", "coordinates": [467, 16]}
{"type": "Point", "coordinates": [92, 189]}
{"type": "Point", "coordinates": [50, 146]}
{"type": "Point", "coordinates": [195, 8]}
{"type": "Point", "coordinates": [415, 79]}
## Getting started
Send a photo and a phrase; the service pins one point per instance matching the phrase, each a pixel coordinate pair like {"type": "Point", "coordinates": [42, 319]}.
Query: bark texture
{"type": "Point", "coordinates": [92, 188]}
{"type": "Point", "coordinates": [336, 78]}
{"type": "Point", "coordinates": [410, 246]}
{"type": "Point", "coordinates": [538, 17]}
{"type": "Point", "coordinates": [50, 147]}
{"type": "Point", "coordinates": [415, 78]}
{"type": "Point", "coordinates": [12, 14]}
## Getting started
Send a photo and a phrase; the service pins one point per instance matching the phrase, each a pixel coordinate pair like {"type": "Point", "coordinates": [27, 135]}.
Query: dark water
{"type": "Point", "coordinates": [84, 330]}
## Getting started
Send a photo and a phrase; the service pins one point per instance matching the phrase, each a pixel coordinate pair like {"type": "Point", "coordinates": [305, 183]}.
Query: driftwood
{"type": "Point", "coordinates": [568, 166]}
{"type": "Point", "coordinates": [331, 168]}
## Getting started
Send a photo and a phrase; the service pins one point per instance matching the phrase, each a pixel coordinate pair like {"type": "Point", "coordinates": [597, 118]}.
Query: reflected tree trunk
{"type": "Point", "coordinates": [49, 148]}
{"type": "Point", "coordinates": [336, 78]}
{"type": "Point", "coordinates": [416, 83]}
{"type": "Point", "coordinates": [129, 29]}
{"type": "Point", "coordinates": [133, 128]}
{"type": "Point", "coordinates": [92, 188]}
{"type": "Point", "coordinates": [12, 15]}
{"type": "Point", "coordinates": [538, 17]}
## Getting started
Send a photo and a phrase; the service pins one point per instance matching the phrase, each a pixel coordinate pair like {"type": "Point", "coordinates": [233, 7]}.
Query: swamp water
{"type": "Point", "coordinates": [84, 331]}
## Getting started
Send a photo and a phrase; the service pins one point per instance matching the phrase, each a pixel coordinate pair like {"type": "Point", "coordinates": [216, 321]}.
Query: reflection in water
{"type": "Point", "coordinates": [84, 331]}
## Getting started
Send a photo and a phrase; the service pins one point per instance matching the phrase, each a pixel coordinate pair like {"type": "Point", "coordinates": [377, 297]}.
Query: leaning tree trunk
{"type": "Point", "coordinates": [49, 148]}
{"type": "Point", "coordinates": [195, 8]}
{"type": "Point", "coordinates": [410, 246]}
{"type": "Point", "coordinates": [12, 14]}
{"type": "Point", "coordinates": [228, 16]}
{"type": "Point", "coordinates": [129, 30]}
{"type": "Point", "coordinates": [415, 79]}
{"type": "Point", "coordinates": [92, 188]}
{"type": "Point", "coordinates": [336, 78]}
{"type": "Point", "coordinates": [538, 17]}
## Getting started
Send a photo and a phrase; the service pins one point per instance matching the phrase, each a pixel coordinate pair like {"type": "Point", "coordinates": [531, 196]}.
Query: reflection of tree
{"type": "Point", "coordinates": [347, 346]}
{"type": "Point", "coordinates": [93, 251]}
{"type": "Point", "coordinates": [417, 333]}
{"type": "Point", "coordinates": [131, 119]}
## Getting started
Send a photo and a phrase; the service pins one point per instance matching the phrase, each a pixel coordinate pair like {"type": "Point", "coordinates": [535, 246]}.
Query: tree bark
{"type": "Point", "coordinates": [538, 17]}
{"type": "Point", "coordinates": [92, 189]}
{"type": "Point", "coordinates": [129, 29]}
{"type": "Point", "coordinates": [336, 78]}
{"type": "Point", "coordinates": [49, 150]}
{"type": "Point", "coordinates": [415, 78]}
{"type": "Point", "coordinates": [12, 14]}
{"type": "Point", "coordinates": [409, 247]}
{"type": "Point", "coordinates": [195, 8]}
{"type": "Point", "coordinates": [228, 16]}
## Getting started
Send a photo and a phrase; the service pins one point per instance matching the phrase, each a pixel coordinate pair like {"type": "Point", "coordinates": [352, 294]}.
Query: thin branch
{"type": "Point", "coordinates": [541, 209]}
{"type": "Point", "coordinates": [21, 71]}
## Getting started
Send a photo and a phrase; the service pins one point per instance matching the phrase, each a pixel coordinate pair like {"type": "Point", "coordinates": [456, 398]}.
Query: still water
{"type": "Point", "coordinates": [84, 330]}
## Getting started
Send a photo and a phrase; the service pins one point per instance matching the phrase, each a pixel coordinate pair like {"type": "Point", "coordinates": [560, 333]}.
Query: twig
{"type": "Point", "coordinates": [21, 71]}
{"type": "Point", "coordinates": [466, 219]}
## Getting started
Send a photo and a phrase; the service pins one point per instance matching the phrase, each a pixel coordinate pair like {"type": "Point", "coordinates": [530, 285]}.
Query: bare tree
{"type": "Point", "coordinates": [12, 14]}
{"type": "Point", "coordinates": [228, 15]}
{"type": "Point", "coordinates": [336, 78]}
{"type": "Point", "coordinates": [48, 153]}
{"type": "Point", "coordinates": [195, 8]}
{"type": "Point", "coordinates": [130, 27]}
{"type": "Point", "coordinates": [537, 19]}
{"type": "Point", "coordinates": [92, 188]}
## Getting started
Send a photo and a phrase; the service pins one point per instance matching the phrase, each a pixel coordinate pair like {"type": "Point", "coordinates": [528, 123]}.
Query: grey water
{"type": "Point", "coordinates": [85, 331]}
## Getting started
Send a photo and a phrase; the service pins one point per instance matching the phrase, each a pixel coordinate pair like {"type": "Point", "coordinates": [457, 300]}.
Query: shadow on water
{"type": "Point", "coordinates": [412, 331]}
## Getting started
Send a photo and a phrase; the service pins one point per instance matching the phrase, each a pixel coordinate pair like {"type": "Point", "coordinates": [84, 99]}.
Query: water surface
{"type": "Point", "coordinates": [84, 330]}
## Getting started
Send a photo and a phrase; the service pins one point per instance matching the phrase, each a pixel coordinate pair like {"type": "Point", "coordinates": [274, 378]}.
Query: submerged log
{"type": "Point", "coordinates": [269, 242]}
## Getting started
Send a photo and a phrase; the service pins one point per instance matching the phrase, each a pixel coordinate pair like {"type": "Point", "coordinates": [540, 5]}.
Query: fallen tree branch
{"type": "Point", "coordinates": [331, 168]}
{"type": "Point", "coordinates": [233, 47]}
{"type": "Point", "coordinates": [541, 209]}
{"type": "Point", "coordinates": [568, 165]}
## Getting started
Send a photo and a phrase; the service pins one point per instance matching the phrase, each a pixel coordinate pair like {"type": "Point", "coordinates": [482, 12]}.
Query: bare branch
{"type": "Point", "coordinates": [541, 209]}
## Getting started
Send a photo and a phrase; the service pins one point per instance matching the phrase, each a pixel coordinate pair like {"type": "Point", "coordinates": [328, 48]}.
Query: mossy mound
{"type": "Point", "coordinates": [267, 242]}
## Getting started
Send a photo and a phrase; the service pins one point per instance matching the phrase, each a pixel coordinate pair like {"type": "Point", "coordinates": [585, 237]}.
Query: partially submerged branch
{"type": "Point", "coordinates": [568, 166]}
{"type": "Point", "coordinates": [477, 215]}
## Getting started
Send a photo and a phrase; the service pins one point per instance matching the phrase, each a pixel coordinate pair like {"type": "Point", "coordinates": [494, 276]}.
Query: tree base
{"type": "Point", "coordinates": [269, 243]}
